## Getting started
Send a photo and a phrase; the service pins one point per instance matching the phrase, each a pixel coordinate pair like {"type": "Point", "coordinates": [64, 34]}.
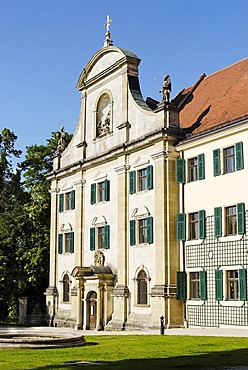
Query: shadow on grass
{"type": "Point", "coordinates": [215, 360]}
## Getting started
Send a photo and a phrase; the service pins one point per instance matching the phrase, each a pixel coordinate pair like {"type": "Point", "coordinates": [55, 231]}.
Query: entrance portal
{"type": "Point", "coordinates": [92, 310]}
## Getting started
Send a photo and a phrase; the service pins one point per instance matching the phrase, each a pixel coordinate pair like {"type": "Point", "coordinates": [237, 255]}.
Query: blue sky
{"type": "Point", "coordinates": [45, 44]}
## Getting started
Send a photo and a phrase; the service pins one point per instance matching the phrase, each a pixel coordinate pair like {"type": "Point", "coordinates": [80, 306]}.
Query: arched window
{"type": "Point", "coordinates": [66, 288]}
{"type": "Point", "coordinates": [142, 287]}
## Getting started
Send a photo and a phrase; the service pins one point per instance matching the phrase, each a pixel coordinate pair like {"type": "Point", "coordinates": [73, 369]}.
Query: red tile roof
{"type": "Point", "coordinates": [217, 99]}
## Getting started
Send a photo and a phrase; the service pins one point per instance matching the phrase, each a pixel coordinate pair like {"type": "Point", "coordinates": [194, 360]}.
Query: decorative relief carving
{"type": "Point", "coordinates": [99, 258]}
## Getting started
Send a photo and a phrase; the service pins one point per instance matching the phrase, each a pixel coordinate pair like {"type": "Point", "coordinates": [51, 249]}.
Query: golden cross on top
{"type": "Point", "coordinates": [108, 23]}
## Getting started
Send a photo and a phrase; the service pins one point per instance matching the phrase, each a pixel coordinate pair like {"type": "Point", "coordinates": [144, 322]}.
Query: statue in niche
{"type": "Point", "coordinates": [166, 89]}
{"type": "Point", "coordinates": [61, 142]}
{"type": "Point", "coordinates": [103, 116]}
{"type": "Point", "coordinates": [99, 258]}
{"type": "Point", "coordinates": [103, 126]}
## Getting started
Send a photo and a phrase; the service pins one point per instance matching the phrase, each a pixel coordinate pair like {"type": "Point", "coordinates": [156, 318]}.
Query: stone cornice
{"type": "Point", "coordinates": [116, 152]}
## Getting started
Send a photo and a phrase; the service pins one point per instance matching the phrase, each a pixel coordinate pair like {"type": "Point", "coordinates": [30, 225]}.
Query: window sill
{"type": "Point", "coordinates": [140, 245]}
{"type": "Point", "coordinates": [230, 238]}
{"type": "Point", "coordinates": [140, 192]}
{"type": "Point", "coordinates": [194, 241]}
{"type": "Point", "coordinates": [232, 303]}
{"type": "Point", "coordinates": [142, 305]}
{"type": "Point", "coordinates": [192, 302]}
{"type": "Point", "coordinates": [228, 173]}
{"type": "Point", "coordinates": [191, 181]}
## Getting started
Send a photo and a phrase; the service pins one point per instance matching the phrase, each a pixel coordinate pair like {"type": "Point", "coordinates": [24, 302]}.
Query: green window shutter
{"type": "Point", "coordinates": [180, 171]}
{"type": "Point", "coordinates": [216, 162]}
{"type": "Point", "coordinates": [106, 237]}
{"type": "Point", "coordinates": [218, 221]}
{"type": "Point", "coordinates": [132, 182]}
{"type": "Point", "coordinates": [242, 285]}
{"type": "Point", "coordinates": [93, 193]}
{"type": "Point", "coordinates": [92, 238]}
{"type": "Point", "coordinates": [149, 170]}
{"type": "Point", "coordinates": [61, 202]}
{"type": "Point", "coordinates": [241, 218]}
{"type": "Point", "coordinates": [132, 232]}
{"type": "Point", "coordinates": [149, 230]}
{"type": "Point", "coordinates": [181, 226]}
{"type": "Point", "coordinates": [181, 285]}
{"type": "Point", "coordinates": [218, 285]}
{"type": "Point", "coordinates": [201, 166]}
{"type": "Point", "coordinates": [202, 215]}
{"type": "Point", "coordinates": [72, 205]}
{"type": "Point", "coordinates": [72, 242]}
{"type": "Point", "coordinates": [60, 243]}
{"type": "Point", "coordinates": [203, 285]}
{"type": "Point", "coordinates": [106, 190]}
{"type": "Point", "coordinates": [239, 156]}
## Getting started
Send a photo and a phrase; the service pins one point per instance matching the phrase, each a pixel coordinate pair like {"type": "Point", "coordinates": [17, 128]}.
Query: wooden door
{"type": "Point", "coordinates": [92, 310]}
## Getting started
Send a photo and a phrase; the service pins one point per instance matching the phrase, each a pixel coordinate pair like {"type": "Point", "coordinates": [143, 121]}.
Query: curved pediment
{"type": "Point", "coordinates": [105, 59]}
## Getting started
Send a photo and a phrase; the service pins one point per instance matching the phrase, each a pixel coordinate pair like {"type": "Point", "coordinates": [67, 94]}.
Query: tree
{"type": "Point", "coordinates": [24, 222]}
{"type": "Point", "coordinates": [11, 197]}
{"type": "Point", "coordinates": [34, 251]}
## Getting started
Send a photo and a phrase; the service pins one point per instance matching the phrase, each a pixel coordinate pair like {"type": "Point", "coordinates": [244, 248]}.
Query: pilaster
{"type": "Point", "coordinates": [79, 224]}
{"type": "Point", "coordinates": [53, 237]}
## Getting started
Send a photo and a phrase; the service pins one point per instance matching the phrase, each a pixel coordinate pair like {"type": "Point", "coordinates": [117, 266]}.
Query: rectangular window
{"type": "Point", "coordinates": [194, 226]}
{"type": "Point", "coordinates": [229, 159]}
{"type": "Point", "coordinates": [67, 242]}
{"type": "Point", "coordinates": [232, 285]}
{"type": "Point", "coordinates": [142, 179]}
{"type": "Point", "coordinates": [101, 191]}
{"type": "Point", "coordinates": [193, 169]}
{"type": "Point", "coordinates": [100, 235]}
{"type": "Point", "coordinates": [235, 283]}
{"type": "Point", "coordinates": [231, 220]}
{"type": "Point", "coordinates": [194, 278]}
{"type": "Point", "coordinates": [142, 231]}
{"type": "Point", "coordinates": [67, 201]}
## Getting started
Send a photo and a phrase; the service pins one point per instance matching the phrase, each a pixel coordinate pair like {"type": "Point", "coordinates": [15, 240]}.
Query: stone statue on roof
{"type": "Point", "coordinates": [166, 89]}
{"type": "Point", "coordinates": [61, 142]}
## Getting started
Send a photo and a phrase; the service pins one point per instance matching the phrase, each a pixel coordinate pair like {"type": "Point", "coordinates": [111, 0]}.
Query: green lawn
{"type": "Point", "coordinates": [134, 352]}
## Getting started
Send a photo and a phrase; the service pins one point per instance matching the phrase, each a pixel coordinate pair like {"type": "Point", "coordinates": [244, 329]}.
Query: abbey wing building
{"type": "Point", "coordinates": [148, 202]}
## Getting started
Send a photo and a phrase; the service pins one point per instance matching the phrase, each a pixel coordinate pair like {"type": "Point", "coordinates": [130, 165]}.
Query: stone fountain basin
{"type": "Point", "coordinates": [41, 337]}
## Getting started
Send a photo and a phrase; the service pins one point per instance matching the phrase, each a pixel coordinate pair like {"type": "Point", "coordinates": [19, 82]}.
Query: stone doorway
{"type": "Point", "coordinates": [92, 310]}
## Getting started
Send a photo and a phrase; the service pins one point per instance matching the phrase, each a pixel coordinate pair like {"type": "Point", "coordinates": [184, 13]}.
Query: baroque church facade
{"type": "Point", "coordinates": [140, 227]}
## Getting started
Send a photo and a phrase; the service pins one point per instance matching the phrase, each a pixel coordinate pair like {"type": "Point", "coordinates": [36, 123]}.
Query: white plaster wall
{"type": "Point", "coordinates": [142, 254]}
{"type": "Point", "coordinates": [66, 262]}
{"type": "Point", "coordinates": [222, 190]}
{"type": "Point", "coordinates": [108, 209]}
{"type": "Point", "coordinates": [142, 121]}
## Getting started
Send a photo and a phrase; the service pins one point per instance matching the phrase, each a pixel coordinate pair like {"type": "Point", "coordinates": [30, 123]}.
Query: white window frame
{"type": "Point", "coordinates": [225, 301]}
